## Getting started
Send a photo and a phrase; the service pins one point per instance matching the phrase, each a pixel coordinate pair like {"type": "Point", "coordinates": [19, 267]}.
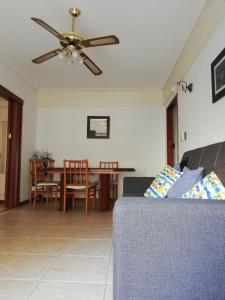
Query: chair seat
{"type": "Point", "coordinates": [40, 184]}
{"type": "Point", "coordinates": [111, 182]}
{"type": "Point", "coordinates": [38, 188]}
{"type": "Point", "coordinates": [114, 183]}
{"type": "Point", "coordinates": [80, 186]}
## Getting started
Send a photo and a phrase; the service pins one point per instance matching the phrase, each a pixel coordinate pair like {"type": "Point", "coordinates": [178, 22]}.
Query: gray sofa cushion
{"type": "Point", "coordinates": [168, 249]}
{"type": "Point", "coordinates": [211, 158]}
{"type": "Point", "coordinates": [185, 182]}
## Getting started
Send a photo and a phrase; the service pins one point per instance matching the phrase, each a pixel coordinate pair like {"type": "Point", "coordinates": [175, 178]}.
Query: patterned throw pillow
{"type": "Point", "coordinates": [162, 183]}
{"type": "Point", "coordinates": [210, 187]}
{"type": "Point", "coordinates": [186, 182]}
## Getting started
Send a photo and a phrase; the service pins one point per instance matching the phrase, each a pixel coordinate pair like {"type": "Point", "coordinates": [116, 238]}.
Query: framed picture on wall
{"type": "Point", "coordinates": [98, 127]}
{"type": "Point", "coordinates": [218, 77]}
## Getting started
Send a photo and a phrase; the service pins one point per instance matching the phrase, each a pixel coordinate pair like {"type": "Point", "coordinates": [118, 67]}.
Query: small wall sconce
{"type": "Point", "coordinates": [184, 86]}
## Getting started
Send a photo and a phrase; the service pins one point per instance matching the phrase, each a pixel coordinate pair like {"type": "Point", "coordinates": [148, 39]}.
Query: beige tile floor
{"type": "Point", "coordinates": [48, 255]}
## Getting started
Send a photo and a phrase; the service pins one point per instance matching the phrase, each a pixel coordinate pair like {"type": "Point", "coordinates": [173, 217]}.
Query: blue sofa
{"type": "Point", "coordinates": [170, 248]}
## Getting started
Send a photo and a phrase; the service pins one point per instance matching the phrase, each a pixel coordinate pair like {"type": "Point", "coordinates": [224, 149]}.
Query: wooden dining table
{"type": "Point", "coordinates": [104, 178]}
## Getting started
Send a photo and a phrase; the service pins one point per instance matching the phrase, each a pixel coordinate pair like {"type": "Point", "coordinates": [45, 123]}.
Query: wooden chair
{"type": "Point", "coordinates": [43, 183]}
{"type": "Point", "coordinates": [76, 182]}
{"type": "Point", "coordinates": [113, 177]}
{"type": "Point", "coordinates": [47, 163]}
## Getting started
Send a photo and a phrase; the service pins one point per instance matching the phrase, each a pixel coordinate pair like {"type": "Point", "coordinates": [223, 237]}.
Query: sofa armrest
{"type": "Point", "coordinates": [136, 186]}
{"type": "Point", "coordinates": [168, 249]}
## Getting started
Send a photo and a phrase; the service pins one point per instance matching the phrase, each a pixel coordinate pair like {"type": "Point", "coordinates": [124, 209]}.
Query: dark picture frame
{"type": "Point", "coordinates": [98, 127]}
{"type": "Point", "coordinates": [218, 77]}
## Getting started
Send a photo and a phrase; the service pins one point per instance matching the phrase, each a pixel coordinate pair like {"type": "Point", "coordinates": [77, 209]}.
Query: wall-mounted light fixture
{"type": "Point", "coordinates": [183, 85]}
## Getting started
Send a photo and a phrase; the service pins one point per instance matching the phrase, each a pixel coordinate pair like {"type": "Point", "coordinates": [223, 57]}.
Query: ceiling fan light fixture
{"type": "Point", "coordinates": [68, 61]}
{"type": "Point", "coordinates": [75, 53]}
{"type": "Point", "coordinates": [70, 55]}
{"type": "Point", "coordinates": [80, 61]}
{"type": "Point", "coordinates": [61, 55]}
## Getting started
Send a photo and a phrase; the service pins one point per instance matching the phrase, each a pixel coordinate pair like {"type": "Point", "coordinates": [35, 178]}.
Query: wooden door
{"type": "Point", "coordinates": [170, 132]}
{"type": "Point", "coordinates": [13, 163]}
{"type": "Point", "coordinates": [170, 144]}
{"type": "Point", "coordinates": [13, 159]}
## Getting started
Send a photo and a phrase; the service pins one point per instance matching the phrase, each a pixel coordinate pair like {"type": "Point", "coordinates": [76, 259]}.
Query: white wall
{"type": "Point", "coordinates": [13, 82]}
{"type": "Point", "coordinates": [211, 16]}
{"type": "Point", "coordinates": [100, 97]}
{"type": "Point", "coordinates": [137, 136]}
{"type": "Point", "coordinates": [203, 120]}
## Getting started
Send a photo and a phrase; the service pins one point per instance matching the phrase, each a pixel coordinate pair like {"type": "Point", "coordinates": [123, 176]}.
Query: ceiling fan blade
{"type": "Point", "coordinates": [100, 41]}
{"type": "Point", "coordinates": [46, 56]}
{"type": "Point", "coordinates": [90, 64]}
{"type": "Point", "coordinates": [48, 27]}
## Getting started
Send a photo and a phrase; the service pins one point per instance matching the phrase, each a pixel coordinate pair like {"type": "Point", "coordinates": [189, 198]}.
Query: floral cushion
{"type": "Point", "coordinates": [210, 187]}
{"type": "Point", "coordinates": [162, 183]}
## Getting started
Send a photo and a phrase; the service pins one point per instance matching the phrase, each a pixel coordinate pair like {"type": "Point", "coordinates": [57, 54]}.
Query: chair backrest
{"type": "Point", "coordinates": [110, 165]}
{"type": "Point", "coordinates": [75, 171]}
{"type": "Point", "coordinates": [40, 169]}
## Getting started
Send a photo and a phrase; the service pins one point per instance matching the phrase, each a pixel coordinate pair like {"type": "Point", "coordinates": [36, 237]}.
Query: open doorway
{"type": "Point", "coordinates": [10, 147]}
{"type": "Point", "coordinates": [3, 148]}
{"type": "Point", "coordinates": [172, 132]}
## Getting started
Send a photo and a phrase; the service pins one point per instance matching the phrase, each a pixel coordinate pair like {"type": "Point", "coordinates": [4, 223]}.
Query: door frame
{"type": "Point", "coordinates": [12, 152]}
{"type": "Point", "coordinates": [169, 130]}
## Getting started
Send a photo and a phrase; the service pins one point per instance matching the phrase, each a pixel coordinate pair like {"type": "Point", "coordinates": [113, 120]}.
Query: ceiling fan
{"type": "Point", "coordinates": [72, 44]}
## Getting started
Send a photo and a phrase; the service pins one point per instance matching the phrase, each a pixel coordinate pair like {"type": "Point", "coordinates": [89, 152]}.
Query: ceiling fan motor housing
{"type": "Point", "coordinates": [70, 38]}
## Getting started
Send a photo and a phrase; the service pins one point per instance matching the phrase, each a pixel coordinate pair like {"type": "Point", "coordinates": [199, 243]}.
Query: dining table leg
{"type": "Point", "coordinates": [61, 191]}
{"type": "Point", "coordinates": [104, 192]}
{"type": "Point", "coordinates": [68, 202]}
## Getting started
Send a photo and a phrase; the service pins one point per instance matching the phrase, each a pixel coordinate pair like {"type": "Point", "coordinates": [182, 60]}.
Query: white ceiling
{"type": "Point", "coordinates": [152, 34]}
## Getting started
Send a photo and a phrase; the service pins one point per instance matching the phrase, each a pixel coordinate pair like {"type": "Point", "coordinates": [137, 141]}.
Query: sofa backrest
{"type": "Point", "coordinates": [211, 158]}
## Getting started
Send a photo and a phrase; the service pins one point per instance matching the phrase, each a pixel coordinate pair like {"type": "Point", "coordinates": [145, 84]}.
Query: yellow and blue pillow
{"type": "Point", "coordinates": [210, 187]}
{"type": "Point", "coordinates": [162, 183]}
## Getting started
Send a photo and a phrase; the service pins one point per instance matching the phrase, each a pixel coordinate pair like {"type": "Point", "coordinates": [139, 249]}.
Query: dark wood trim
{"type": "Point", "coordinates": [22, 203]}
{"type": "Point", "coordinates": [170, 133]}
{"type": "Point", "coordinates": [16, 205]}
{"type": "Point", "coordinates": [19, 154]}
{"type": "Point", "coordinates": [89, 133]}
{"type": "Point", "coordinates": [105, 192]}
{"type": "Point", "coordinates": [7, 95]}
{"type": "Point", "coordinates": [13, 159]}
{"type": "Point", "coordinates": [60, 170]}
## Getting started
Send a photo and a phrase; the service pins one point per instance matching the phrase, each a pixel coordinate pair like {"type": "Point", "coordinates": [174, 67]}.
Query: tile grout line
{"type": "Point", "coordinates": [54, 255]}
{"type": "Point", "coordinates": [51, 265]}
{"type": "Point", "coordinates": [29, 238]}
{"type": "Point", "coordinates": [76, 230]}
{"type": "Point", "coordinates": [51, 280]}
{"type": "Point", "coordinates": [110, 257]}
